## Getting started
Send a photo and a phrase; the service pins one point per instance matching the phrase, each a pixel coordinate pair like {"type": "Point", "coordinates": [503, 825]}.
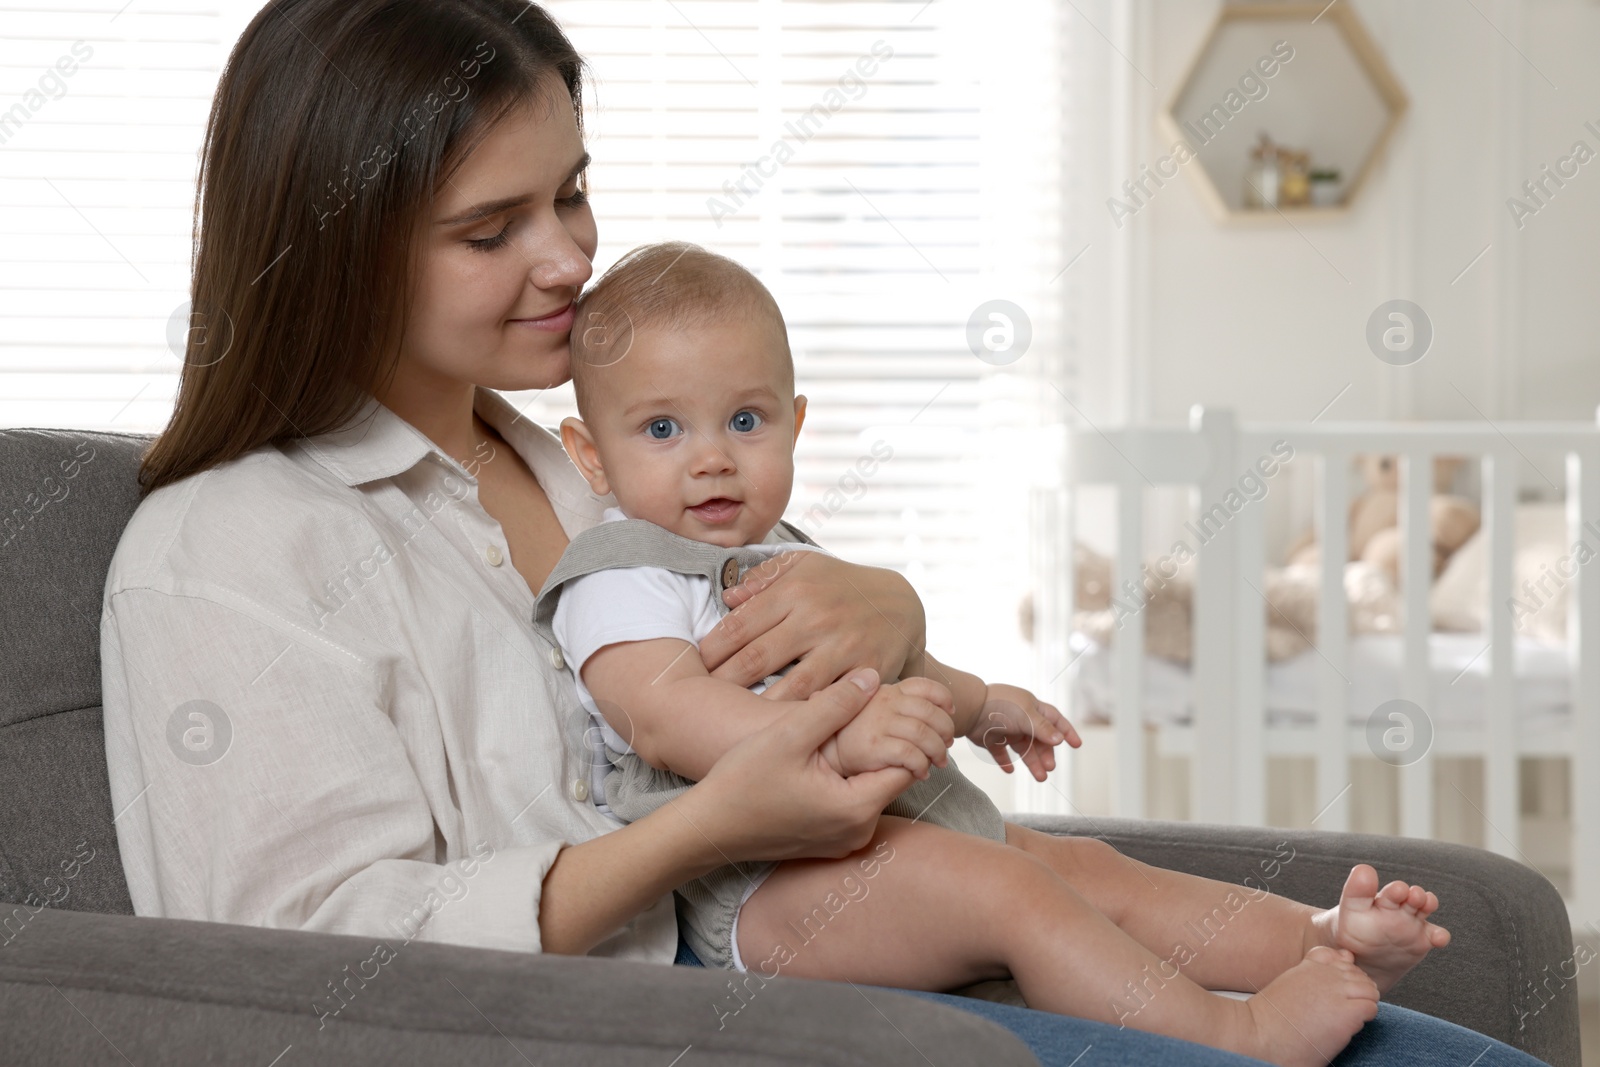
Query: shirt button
{"type": "Point", "coordinates": [559, 662]}
{"type": "Point", "coordinates": [493, 555]}
{"type": "Point", "coordinates": [580, 789]}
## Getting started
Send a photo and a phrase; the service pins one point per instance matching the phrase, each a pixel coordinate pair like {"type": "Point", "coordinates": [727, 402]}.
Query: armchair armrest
{"type": "Point", "coordinates": [83, 988]}
{"type": "Point", "coordinates": [1509, 971]}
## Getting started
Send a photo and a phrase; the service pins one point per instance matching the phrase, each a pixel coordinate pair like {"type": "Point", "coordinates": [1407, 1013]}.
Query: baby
{"type": "Point", "coordinates": [686, 392]}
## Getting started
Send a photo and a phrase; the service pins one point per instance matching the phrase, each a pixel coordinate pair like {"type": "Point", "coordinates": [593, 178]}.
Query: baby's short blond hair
{"type": "Point", "coordinates": [669, 285]}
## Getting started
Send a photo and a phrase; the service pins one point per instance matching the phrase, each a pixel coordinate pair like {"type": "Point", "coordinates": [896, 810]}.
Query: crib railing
{"type": "Point", "coordinates": [1230, 730]}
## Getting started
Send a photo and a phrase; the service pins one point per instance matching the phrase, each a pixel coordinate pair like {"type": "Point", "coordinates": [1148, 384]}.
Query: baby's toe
{"type": "Point", "coordinates": [1362, 883]}
{"type": "Point", "coordinates": [1394, 894]}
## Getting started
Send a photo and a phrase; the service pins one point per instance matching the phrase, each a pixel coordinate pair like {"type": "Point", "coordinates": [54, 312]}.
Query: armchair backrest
{"type": "Point", "coordinates": [65, 496]}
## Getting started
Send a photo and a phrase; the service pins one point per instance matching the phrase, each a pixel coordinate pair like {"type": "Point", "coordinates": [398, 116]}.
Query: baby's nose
{"type": "Point", "coordinates": [711, 458]}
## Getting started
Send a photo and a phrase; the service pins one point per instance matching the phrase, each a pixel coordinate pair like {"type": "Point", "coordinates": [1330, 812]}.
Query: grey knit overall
{"type": "Point", "coordinates": [708, 905]}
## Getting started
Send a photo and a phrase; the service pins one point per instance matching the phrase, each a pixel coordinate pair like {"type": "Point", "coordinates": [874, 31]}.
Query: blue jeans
{"type": "Point", "coordinates": [1397, 1036]}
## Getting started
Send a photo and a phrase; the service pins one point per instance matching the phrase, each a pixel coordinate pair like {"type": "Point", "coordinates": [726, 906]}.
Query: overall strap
{"type": "Point", "coordinates": [637, 543]}
{"type": "Point", "coordinates": [798, 534]}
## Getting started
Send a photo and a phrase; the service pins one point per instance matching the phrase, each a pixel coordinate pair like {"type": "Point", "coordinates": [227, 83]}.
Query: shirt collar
{"type": "Point", "coordinates": [377, 443]}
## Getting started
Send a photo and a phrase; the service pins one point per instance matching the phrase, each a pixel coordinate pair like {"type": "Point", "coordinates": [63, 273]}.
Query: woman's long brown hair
{"type": "Point", "coordinates": [334, 123]}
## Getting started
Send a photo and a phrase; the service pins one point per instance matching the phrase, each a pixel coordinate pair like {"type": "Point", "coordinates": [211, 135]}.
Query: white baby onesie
{"type": "Point", "coordinates": [634, 604]}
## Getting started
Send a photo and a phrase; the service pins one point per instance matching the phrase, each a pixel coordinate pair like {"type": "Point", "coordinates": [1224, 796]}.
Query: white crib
{"type": "Point", "coordinates": [1230, 736]}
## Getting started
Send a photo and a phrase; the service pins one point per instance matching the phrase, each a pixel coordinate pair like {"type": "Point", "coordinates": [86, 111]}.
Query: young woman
{"type": "Point", "coordinates": [329, 584]}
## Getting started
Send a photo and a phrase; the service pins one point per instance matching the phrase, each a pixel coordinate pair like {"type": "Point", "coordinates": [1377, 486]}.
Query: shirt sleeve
{"type": "Point", "coordinates": [259, 775]}
{"type": "Point", "coordinates": [625, 604]}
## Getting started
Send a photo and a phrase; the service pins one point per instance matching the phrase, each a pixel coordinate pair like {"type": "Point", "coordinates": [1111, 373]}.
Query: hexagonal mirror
{"type": "Point", "coordinates": [1286, 108]}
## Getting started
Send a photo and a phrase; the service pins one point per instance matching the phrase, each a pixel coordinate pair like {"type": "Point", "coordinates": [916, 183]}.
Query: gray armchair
{"type": "Point", "coordinates": [82, 981]}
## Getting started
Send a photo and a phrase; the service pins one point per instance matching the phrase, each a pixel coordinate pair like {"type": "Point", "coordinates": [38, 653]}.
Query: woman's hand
{"type": "Point", "coordinates": [773, 796]}
{"type": "Point", "coordinates": [830, 615]}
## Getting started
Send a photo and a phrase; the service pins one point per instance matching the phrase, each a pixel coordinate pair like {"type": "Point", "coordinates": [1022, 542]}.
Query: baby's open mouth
{"type": "Point", "coordinates": [718, 509]}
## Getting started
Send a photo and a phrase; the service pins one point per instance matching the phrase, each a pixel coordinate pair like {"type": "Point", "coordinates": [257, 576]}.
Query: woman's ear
{"type": "Point", "coordinates": [579, 443]}
{"type": "Point", "coordinates": [799, 415]}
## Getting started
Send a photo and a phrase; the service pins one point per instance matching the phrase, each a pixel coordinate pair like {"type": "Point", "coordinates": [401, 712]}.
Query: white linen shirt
{"type": "Point", "coordinates": [326, 706]}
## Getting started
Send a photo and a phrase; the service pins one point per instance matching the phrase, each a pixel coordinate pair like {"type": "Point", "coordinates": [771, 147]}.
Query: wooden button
{"type": "Point", "coordinates": [730, 573]}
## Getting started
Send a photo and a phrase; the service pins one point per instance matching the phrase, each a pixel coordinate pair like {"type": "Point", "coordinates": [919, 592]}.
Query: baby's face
{"type": "Point", "coordinates": [694, 430]}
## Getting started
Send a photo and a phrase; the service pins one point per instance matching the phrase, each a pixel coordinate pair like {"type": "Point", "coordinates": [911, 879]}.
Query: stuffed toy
{"type": "Point", "coordinates": [1375, 517]}
{"type": "Point", "coordinates": [1289, 594]}
{"type": "Point", "coordinates": [1165, 609]}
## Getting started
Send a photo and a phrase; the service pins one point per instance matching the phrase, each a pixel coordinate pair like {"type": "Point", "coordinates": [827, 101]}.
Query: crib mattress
{"type": "Point", "coordinates": [1460, 669]}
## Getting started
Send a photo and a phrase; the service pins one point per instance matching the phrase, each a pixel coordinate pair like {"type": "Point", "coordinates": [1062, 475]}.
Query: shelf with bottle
{"type": "Point", "coordinates": [1281, 177]}
{"type": "Point", "coordinates": [1285, 110]}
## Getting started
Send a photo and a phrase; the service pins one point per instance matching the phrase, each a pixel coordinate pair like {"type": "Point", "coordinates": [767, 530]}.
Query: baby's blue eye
{"type": "Point", "coordinates": [661, 429]}
{"type": "Point", "coordinates": [744, 422]}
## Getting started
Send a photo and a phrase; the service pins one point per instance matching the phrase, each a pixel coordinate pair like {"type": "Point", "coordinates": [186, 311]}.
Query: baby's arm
{"type": "Point", "coordinates": [968, 691]}
{"type": "Point", "coordinates": [657, 696]}
{"type": "Point", "coordinates": [996, 716]}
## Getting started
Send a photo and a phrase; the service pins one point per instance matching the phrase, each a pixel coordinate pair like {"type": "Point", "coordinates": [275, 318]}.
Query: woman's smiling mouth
{"type": "Point", "coordinates": [556, 322]}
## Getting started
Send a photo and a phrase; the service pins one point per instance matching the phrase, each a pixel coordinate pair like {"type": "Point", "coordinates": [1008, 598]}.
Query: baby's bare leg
{"type": "Point", "coordinates": [1241, 936]}
{"type": "Point", "coordinates": [942, 909]}
{"type": "Point", "coordinates": [1238, 936]}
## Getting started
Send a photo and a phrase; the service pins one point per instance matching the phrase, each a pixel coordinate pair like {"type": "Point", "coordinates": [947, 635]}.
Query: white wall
{"type": "Point", "coordinates": [1258, 317]}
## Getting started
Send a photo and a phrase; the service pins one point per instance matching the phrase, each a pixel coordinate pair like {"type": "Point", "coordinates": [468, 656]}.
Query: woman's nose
{"type": "Point", "coordinates": [555, 260]}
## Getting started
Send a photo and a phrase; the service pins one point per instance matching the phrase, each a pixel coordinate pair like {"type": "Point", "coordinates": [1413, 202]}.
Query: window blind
{"type": "Point", "coordinates": [102, 112]}
{"type": "Point", "coordinates": [885, 166]}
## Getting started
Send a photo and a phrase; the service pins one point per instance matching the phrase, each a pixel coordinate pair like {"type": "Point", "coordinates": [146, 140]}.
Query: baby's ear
{"type": "Point", "coordinates": [579, 443]}
{"type": "Point", "coordinates": [799, 415]}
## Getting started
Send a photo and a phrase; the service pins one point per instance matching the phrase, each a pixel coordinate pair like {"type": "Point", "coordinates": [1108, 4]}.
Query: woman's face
{"type": "Point", "coordinates": [502, 253]}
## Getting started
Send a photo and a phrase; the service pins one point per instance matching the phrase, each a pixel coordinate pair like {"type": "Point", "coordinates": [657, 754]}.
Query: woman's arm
{"type": "Point", "coordinates": [772, 796]}
{"type": "Point", "coordinates": [262, 777]}
{"type": "Point", "coordinates": [584, 900]}
{"type": "Point", "coordinates": [657, 696]}
{"type": "Point", "coordinates": [310, 813]}
{"type": "Point", "coordinates": [830, 615]}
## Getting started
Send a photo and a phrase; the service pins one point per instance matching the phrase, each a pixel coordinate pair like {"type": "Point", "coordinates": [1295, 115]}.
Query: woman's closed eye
{"type": "Point", "coordinates": [663, 429]}
{"type": "Point", "coordinates": [745, 421]}
{"type": "Point", "coordinates": [489, 244]}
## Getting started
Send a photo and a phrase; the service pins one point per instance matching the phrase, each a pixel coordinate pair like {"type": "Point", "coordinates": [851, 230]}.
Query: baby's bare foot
{"type": "Point", "coordinates": [1387, 930]}
{"type": "Point", "coordinates": [1311, 1011]}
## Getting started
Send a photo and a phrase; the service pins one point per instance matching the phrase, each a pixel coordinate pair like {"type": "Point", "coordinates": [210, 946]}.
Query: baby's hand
{"type": "Point", "coordinates": [1015, 717]}
{"type": "Point", "coordinates": [907, 724]}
